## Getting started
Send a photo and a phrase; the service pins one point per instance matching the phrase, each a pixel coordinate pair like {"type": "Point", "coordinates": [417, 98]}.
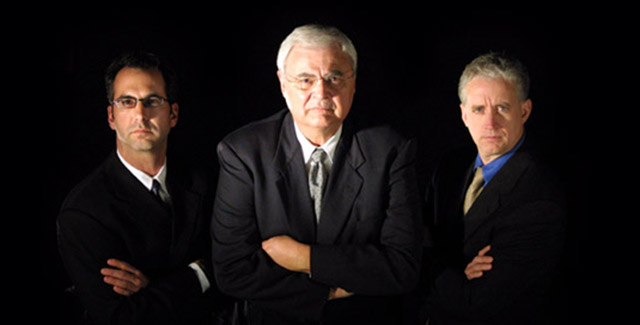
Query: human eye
{"type": "Point", "coordinates": [306, 82]}
{"type": "Point", "coordinates": [335, 79]}
{"type": "Point", "coordinates": [153, 101]}
{"type": "Point", "coordinates": [127, 102]}
{"type": "Point", "coordinates": [477, 109]}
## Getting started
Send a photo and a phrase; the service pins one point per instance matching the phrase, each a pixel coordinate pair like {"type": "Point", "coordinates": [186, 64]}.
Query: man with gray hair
{"type": "Point", "coordinates": [316, 220]}
{"type": "Point", "coordinates": [497, 220]}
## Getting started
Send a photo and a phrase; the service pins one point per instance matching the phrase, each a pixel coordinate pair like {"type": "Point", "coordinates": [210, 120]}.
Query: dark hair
{"type": "Point", "coordinates": [145, 61]}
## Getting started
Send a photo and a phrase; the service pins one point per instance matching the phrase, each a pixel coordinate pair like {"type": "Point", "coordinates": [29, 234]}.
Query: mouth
{"type": "Point", "coordinates": [141, 131]}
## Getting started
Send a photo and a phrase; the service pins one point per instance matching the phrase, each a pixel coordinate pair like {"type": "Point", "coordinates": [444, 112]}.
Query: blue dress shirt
{"type": "Point", "coordinates": [492, 168]}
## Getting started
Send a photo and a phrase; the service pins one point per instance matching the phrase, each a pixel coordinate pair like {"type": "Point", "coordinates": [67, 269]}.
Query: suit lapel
{"type": "Point", "coordinates": [292, 185]}
{"type": "Point", "coordinates": [186, 206]}
{"type": "Point", "coordinates": [342, 189]}
{"type": "Point", "coordinates": [135, 198]}
{"type": "Point", "coordinates": [491, 197]}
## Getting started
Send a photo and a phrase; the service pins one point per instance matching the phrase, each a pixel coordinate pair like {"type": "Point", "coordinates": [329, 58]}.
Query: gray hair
{"type": "Point", "coordinates": [494, 65]}
{"type": "Point", "coordinates": [317, 35]}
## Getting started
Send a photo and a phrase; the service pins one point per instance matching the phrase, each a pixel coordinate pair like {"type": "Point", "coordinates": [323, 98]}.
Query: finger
{"type": "Point", "coordinates": [118, 274]}
{"type": "Point", "coordinates": [473, 275]}
{"type": "Point", "coordinates": [122, 265]}
{"type": "Point", "coordinates": [483, 251]}
{"type": "Point", "coordinates": [128, 271]}
{"type": "Point", "coordinates": [122, 291]}
{"type": "Point", "coordinates": [479, 267]}
{"type": "Point", "coordinates": [125, 279]}
{"type": "Point", "coordinates": [482, 260]}
{"type": "Point", "coordinates": [131, 286]}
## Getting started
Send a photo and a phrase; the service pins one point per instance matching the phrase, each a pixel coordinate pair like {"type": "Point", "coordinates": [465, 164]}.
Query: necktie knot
{"type": "Point", "coordinates": [155, 188]}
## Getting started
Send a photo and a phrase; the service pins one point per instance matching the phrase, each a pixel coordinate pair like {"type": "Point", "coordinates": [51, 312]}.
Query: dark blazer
{"type": "Point", "coordinates": [367, 240]}
{"type": "Point", "coordinates": [521, 214]}
{"type": "Point", "coordinates": [111, 214]}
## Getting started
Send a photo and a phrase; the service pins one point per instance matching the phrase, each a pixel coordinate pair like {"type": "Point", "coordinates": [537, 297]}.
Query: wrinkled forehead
{"type": "Point", "coordinates": [306, 58]}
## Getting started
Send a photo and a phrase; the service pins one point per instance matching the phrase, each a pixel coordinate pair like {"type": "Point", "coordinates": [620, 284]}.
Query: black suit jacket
{"type": "Point", "coordinates": [367, 240]}
{"type": "Point", "coordinates": [111, 214]}
{"type": "Point", "coordinates": [521, 214]}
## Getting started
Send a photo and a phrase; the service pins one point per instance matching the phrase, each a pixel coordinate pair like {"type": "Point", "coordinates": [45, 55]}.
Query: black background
{"type": "Point", "coordinates": [410, 59]}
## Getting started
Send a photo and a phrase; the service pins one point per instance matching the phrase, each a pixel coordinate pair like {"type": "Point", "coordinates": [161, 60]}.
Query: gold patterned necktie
{"type": "Point", "coordinates": [474, 190]}
{"type": "Point", "coordinates": [317, 179]}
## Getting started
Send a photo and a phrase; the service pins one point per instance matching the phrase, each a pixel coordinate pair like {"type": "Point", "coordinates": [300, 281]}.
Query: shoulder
{"type": "Point", "coordinates": [258, 131]}
{"type": "Point", "coordinates": [89, 197]}
{"type": "Point", "coordinates": [92, 189]}
{"type": "Point", "coordinates": [379, 138]}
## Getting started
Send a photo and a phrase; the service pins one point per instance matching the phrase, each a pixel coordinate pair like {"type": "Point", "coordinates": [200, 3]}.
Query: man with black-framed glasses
{"type": "Point", "coordinates": [134, 234]}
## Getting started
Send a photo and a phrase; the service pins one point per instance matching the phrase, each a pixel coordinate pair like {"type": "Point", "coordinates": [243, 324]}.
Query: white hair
{"type": "Point", "coordinates": [496, 65]}
{"type": "Point", "coordinates": [320, 36]}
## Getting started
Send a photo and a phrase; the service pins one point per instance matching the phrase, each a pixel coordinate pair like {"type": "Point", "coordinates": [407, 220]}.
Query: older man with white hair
{"type": "Point", "coordinates": [317, 221]}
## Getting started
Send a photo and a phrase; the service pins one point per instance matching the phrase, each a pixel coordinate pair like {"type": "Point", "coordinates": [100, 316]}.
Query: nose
{"type": "Point", "coordinates": [322, 88]}
{"type": "Point", "coordinates": [140, 111]}
{"type": "Point", "coordinates": [490, 119]}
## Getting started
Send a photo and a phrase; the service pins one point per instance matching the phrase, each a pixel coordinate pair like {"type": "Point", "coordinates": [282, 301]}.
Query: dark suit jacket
{"type": "Point", "coordinates": [112, 215]}
{"type": "Point", "coordinates": [521, 214]}
{"type": "Point", "coordinates": [367, 240]}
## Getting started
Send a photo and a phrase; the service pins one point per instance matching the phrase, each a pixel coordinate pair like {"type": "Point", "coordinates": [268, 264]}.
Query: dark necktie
{"type": "Point", "coordinates": [162, 196]}
{"type": "Point", "coordinates": [474, 190]}
{"type": "Point", "coordinates": [317, 179]}
{"type": "Point", "coordinates": [155, 189]}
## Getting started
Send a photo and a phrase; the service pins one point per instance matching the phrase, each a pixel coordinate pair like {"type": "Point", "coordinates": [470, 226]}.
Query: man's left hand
{"type": "Point", "coordinates": [125, 278]}
{"type": "Point", "coordinates": [289, 253]}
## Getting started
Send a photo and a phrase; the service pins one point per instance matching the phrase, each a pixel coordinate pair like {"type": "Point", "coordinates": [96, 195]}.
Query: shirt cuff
{"type": "Point", "coordinates": [204, 282]}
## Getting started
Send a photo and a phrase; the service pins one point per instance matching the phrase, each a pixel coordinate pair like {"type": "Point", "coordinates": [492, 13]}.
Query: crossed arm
{"type": "Point", "coordinates": [296, 257]}
{"type": "Point", "coordinates": [125, 279]}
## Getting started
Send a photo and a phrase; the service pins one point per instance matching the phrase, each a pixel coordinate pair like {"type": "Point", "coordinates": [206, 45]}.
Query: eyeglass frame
{"type": "Point", "coordinates": [296, 80]}
{"type": "Point", "coordinates": [144, 101]}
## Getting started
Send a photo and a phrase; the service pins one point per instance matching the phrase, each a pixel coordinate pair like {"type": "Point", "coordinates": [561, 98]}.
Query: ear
{"type": "Point", "coordinates": [463, 115]}
{"type": "Point", "coordinates": [527, 105]}
{"type": "Point", "coordinates": [282, 81]}
{"type": "Point", "coordinates": [173, 114]}
{"type": "Point", "coordinates": [110, 117]}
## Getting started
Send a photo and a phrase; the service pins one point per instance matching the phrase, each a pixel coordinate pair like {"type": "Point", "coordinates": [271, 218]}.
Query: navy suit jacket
{"type": "Point", "coordinates": [521, 213]}
{"type": "Point", "coordinates": [367, 240]}
{"type": "Point", "coordinates": [111, 214]}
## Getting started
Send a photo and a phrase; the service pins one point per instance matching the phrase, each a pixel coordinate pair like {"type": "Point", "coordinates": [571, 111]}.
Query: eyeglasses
{"type": "Point", "coordinates": [151, 101]}
{"type": "Point", "coordinates": [335, 80]}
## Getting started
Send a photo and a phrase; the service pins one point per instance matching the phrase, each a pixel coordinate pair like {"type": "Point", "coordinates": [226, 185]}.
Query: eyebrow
{"type": "Point", "coordinates": [148, 96]}
{"type": "Point", "coordinates": [330, 73]}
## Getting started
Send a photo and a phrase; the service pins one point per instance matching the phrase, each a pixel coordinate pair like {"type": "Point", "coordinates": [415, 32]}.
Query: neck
{"type": "Point", "coordinates": [318, 137]}
{"type": "Point", "coordinates": [148, 162]}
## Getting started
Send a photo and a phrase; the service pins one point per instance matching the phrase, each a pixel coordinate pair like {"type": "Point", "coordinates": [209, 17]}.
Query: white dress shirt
{"type": "Point", "coordinates": [307, 147]}
{"type": "Point", "coordinates": [161, 176]}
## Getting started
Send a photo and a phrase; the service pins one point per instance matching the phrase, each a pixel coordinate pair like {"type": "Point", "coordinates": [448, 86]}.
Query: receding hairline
{"type": "Point", "coordinates": [496, 66]}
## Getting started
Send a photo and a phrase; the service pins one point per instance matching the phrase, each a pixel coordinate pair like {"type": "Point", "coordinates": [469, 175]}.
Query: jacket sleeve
{"type": "Point", "coordinates": [526, 250]}
{"type": "Point", "coordinates": [85, 244]}
{"type": "Point", "coordinates": [389, 262]}
{"type": "Point", "coordinates": [241, 267]}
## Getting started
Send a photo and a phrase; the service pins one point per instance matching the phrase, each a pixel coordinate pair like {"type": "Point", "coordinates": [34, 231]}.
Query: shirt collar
{"type": "Point", "coordinates": [491, 169]}
{"type": "Point", "coordinates": [145, 179]}
{"type": "Point", "coordinates": [307, 147]}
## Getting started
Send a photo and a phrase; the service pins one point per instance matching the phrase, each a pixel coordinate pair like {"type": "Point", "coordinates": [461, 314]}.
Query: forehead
{"type": "Point", "coordinates": [309, 58]}
{"type": "Point", "coordinates": [497, 88]}
{"type": "Point", "coordinates": [136, 80]}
